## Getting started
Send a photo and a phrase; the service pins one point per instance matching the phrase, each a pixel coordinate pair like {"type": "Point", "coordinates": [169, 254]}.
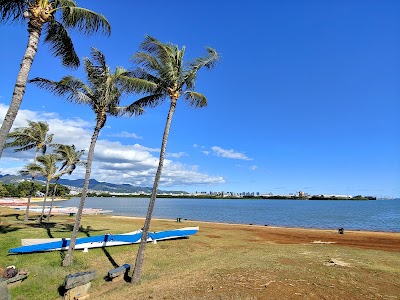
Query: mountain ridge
{"type": "Point", "coordinates": [94, 185]}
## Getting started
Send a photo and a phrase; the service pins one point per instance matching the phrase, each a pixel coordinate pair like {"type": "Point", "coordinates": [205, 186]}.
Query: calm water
{"type": "Point", "coordinates": [379, 215]}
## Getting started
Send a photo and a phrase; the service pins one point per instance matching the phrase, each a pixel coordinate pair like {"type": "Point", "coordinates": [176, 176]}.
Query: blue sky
{"type": "Point", "coordinates": [305, 97]}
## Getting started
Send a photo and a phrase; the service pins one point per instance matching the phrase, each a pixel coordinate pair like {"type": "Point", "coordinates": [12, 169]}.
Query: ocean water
{"type": "Point", "coordinates": [377, 215]}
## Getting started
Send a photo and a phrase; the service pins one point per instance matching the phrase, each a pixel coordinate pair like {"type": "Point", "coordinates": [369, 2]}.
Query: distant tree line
{"type": "Point", "coordinates": [23, 189]}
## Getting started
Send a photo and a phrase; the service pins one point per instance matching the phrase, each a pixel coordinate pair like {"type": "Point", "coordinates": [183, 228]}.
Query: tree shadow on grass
{"type": "Point", "coordinates": [106, 253]}
{"type": "Point", "coordinates": [47, 226]}
{"type": "Point", "coordinates": [16, 215]}
{"type": "Point", "coordinates": [8, 228]}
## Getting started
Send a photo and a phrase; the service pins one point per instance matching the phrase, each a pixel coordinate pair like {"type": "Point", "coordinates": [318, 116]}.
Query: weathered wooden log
{"type": "Point", "coordinates": [77, 279]}
{"type": "Point", "coordinates": [117, 272]}
{"type": "Point", "coordinates": [77, 285]}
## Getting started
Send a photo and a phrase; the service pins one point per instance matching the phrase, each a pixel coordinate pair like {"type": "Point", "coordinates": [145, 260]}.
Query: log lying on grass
{"type": "Point", "coordinates": [77, 285]}
{"type": "Point", "coordinates": [116, 274]}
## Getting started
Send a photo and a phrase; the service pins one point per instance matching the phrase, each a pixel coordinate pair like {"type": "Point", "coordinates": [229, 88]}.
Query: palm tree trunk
{"type": "Point", "coordinates": [69, 257]}
{"type": "Point", "coordinates": [35, 31]}
{"type": "Point", "coordinates": [31, 191]}
{"type": "Point", "coordinates": [137, 271]}
{"type": "Point", "coordinates": [52, 201]}
{"type": "Point", "coordinates": [44, 201]}
{"type": "Point", "coordinates": [29, 199]}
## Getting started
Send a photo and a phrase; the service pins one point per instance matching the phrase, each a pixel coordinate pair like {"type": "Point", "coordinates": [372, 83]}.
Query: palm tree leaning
{"type": "Point", "coordinates": [45, 166]}
{"type": "Point", "coordinates": [70, 158]}
{"type": "Point", "coordinates": [54, 17]}
{"type": "Point", "coordinates": [163, 65]}
{"type": "Point", "coordinates": [103, 94]}
{"type": "Point", "coordinates": [36, 136]}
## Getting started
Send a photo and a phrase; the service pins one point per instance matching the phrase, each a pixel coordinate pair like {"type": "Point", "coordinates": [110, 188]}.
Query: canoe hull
{"type": "Point", "coordinates": [106, 240]}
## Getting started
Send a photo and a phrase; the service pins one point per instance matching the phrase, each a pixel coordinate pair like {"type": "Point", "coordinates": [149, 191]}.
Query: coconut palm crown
{"type": "Point", "coordinates": [35, 135]}
{"type": "Point", "coordinates": [70, 157]}
{"type": "Point", "coordinates": [53, 17]}
{"type": "Point", "coordinates": [163, 65]}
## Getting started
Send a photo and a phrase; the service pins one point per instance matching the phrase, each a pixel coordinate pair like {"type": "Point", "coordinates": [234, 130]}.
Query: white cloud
{"type": "Point", "coordinates": [220, 152]}
{"type": "Point", "coordinates": [113, 162]}
{"type": "Point", "coordinates": [176, 155]}
{"type": "Point", "coordinates": [125, 134]}
{"type": "Point", "coordinates": [206, 152]}
{"type": "Point", "coordinates": [253, 168]}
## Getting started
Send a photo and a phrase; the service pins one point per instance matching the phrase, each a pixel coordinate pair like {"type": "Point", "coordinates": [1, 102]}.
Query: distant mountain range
{"type": "Point", "coordinates": [94, 185]}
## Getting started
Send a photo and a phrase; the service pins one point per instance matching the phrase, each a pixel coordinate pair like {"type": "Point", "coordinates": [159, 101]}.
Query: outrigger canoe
{"type": "Point", "coordinates": [106, 240]}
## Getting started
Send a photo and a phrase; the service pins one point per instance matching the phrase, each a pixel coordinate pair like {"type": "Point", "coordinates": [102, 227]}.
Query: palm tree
{"type": "Point", "coordinates": [54, 17]}
{"type": "Point", "coordinates": [103, 94]}
{"type": "Point", "coordinates": [71, 158]}
{"type": "Point", "coordinates": [45, 166]}
{"type": "Point", "coordinates": [26, 138]}
{"type": "Point", "coordinates": [163, 65]}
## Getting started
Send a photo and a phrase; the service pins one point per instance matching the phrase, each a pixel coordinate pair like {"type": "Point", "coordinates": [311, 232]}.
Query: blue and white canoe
{"type": "Point", "coordinates": [105, 240]}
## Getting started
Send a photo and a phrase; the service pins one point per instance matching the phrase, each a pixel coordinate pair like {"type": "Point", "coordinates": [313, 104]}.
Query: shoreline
{"type": "Point", "coordinates": [373, 240]}
{"type": "Point", "coordinates": [251, 225]}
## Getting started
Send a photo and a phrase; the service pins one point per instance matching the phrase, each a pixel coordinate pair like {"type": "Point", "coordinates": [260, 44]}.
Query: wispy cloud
{"type": "Point", "coordinates": [232, 154]}
{"type": "Point", "coordinates": [176, 155]}
{"type": "Point", "coordinates": [125, 134]}
{"type": "Point", "coordinates": [253, 168]}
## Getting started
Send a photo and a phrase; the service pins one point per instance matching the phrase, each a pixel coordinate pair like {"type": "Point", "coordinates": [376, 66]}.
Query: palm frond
{"type": "Point", "coordinates": [149, 62]}
{"type": "Point", "coordinates": [137, 85]}
{"type": "Point", "coordinates": [61, 44]}
{"type": "Point", "coordinates": [195, 99]}
{"type": "Point", "coordinates": [164, 53]}
{"type": "Point", "coordinates": [208, 61]}
{"type": "Point", "coordinates": [25, 148]}
{"type": "Point", "coordinates": [143, 74]}
{"type": "Point", "coordinates": [96, 74]}
{"type": "Point", "coordinates": [152, 100]}
{"type": "Point", "coordinates": [12, 10]}
{"type": "Point", "coordinates": [70, 87]}
{"type": "Point", "coordinates": [85, 20]}
{"type": "Point", "coordinates": [130, 110]}
{"type": "Point", "coordinates": [98, 57]}
{"type": "Point", "coordinates": [32, 169]}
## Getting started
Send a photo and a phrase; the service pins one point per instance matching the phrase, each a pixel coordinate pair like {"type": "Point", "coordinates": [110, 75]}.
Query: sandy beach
{"type": "Point", "coordinates": [386, 241]}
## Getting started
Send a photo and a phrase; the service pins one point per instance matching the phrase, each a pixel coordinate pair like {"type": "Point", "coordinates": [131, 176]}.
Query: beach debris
{"type": "Point", "coordinates": [333, 262]}
{"type": "Point", "coordinates": [10, 272]}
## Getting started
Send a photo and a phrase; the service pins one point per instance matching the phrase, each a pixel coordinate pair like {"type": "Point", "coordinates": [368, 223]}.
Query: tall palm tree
{"type": "Point", "coordinates": [163, 65]}
{"type": "Point", "coordinates": [70, 158]}
{"type": "Point", "coordinates": [54, 17]}
{"type": "Point", "coordinates": [36, 136]}
{"type": "Point", "coordinates": [103, 94]}
{"type": "Point", "coordinates": [45, 166]}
